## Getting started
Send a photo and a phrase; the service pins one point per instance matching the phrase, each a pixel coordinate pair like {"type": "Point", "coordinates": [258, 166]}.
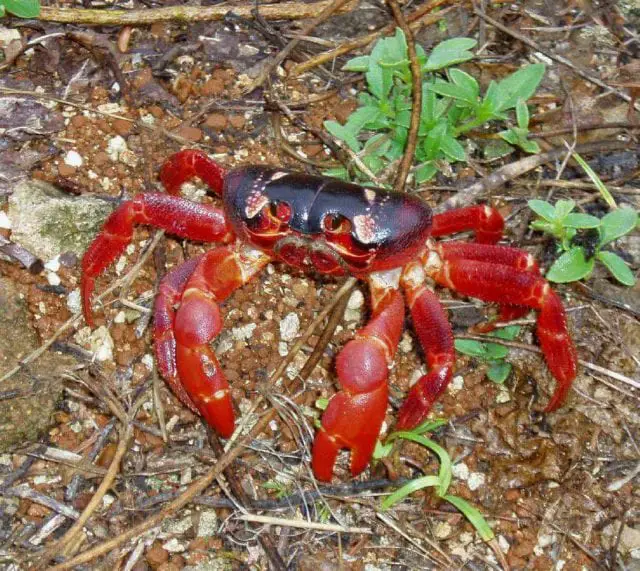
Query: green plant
{"type": "Point", "coordinates": [440, 482]}
{"type": "Point", "coordinates": [581, 238]}
{"type": "Point", "coordinates": [20, 8]}
{"type": "Point", "coordinates": [493, 353]}
{"type": "Point", "coordinates": [452, 105]}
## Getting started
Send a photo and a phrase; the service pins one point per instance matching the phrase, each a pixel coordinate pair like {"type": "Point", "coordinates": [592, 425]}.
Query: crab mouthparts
{"type": "Point", "coordinates": [309, 254]}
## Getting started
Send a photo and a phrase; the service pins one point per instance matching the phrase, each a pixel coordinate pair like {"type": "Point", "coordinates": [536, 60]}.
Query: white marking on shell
{"type": "Point", "coordinates": [277, 175]}
{"type": "Point", "coordinates": [365, 227]}
{"type": "Point", "coordinates": [370, 195]}
{"type": "Point", "coordinates": [255, 203]}
{"type": "Point", "coordinates": [387, 279]}
{"type": "Point", "coordinates": [413, 275]}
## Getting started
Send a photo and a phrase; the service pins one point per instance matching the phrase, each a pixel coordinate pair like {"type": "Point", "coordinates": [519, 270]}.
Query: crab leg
{"type": "Point", "coordinates": [198, 321]}
{"type": "Point", "coordinates": [167, 299]}
{"type": "Point", "coordinates": [513, 257]}
{"type": "Point", "coordinates": [173, 214]}
{"type": "Point", "coordinates": [188, 164]}
{"type": "Point", "coordinates": [502, 283]}
{"type": "Point", "coordinates": [485, 221]}
{"type": "Point", "coordinates": [432, 326]}
{"type": "Point", "coordinates": [355, 414]}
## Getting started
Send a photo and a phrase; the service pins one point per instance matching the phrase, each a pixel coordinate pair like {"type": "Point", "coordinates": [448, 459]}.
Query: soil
{"type": "Point", "coordinates": [559, 490]}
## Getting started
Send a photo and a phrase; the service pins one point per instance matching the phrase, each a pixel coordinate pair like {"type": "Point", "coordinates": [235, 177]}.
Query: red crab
{"type": "Point", "coordinates": [331, 227]}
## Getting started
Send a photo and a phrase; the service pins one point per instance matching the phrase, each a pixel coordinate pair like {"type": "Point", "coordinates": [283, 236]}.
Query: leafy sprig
{"type": "Point", "coordinates": [452, 105]}
{"type": "Point", "coordinates": [582, 238]}
{"type": "Point", "coordinates": [493, 353]}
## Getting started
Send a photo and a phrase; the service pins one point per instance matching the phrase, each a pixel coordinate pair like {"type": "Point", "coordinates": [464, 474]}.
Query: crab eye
{"type": "Point", "coordinates": [336, 224]}
{"type": "Point", "coordinates": [280, 210]}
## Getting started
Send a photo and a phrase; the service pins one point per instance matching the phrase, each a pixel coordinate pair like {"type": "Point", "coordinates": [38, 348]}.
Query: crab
{"type": "Point", "coordinates": [329, 227]}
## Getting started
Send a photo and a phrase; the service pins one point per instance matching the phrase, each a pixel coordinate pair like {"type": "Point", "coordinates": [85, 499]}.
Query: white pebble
{"type": "Point", "coordinates": [147, 361]}
{"type": "Point", "coordinates": [74, 301]}
{"type": "Point", "coordinates": [289, 327]}
{"type": "Point", "coordinates": [73, 159]}
{"type": "Point", "coordinates": [102, 344]}
{"type": "Point", "coordinates": [243, 333]}
{"type": "Point", "coordinates": [283, 349]}
{"type": "Point", "coordinates": [53, 278]}
{"type": "Point", "coordinates": [53, 265]}
{"type": "Point", "coordinates": [460, 470]}
{"type": "Point", "coordinates": [115, 147]}
{"type": "Point", "coordinates": [457, 384]}
{"type": "Point", "coordinates": [4, 220]}
{"type": "Point", "coordinates": [476, 480]}
{"type": "Point", "coordinates": [120, 317]}
{"type": "Point", "coordinates": [356, 301]}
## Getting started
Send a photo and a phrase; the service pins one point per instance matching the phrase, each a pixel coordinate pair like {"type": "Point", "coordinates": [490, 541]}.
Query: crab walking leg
{"type": "Point", "coordinates": [175, 215]}
{"type": "Point", "coordinates": [355, 414]}
{"type": "Point", "coordinates": [505, 255]}
{"type": "Point", "coordinates": [167, 299]}
{"type": "Point", "coordinates": [188, 164]}
{"type": "Point", "coordinates": [501, 283]}
{"type": "Point", "coordinates": [485, 221]}
{"type": "Point", "coordinates": [198, 321]}
{"type": "Point", "coordinates": [432, 327]}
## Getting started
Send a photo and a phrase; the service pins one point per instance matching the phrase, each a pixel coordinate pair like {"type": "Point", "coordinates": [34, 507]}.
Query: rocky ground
{"type": "Point", "coordinates": [559, 490]}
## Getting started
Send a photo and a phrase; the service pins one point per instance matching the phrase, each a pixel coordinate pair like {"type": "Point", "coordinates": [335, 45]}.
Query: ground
{"type": "Point", "coordinates": [559, 490]}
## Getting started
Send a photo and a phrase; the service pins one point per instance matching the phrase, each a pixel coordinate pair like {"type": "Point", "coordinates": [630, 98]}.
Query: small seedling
{"type": "Point", "coordinates": [20, 8]}
{"type": "Point", "coordinates": [440, 482]}
{"type": "Point", "coordinates": [493, 353]}
{"type": "Point", "coordinates": [582, 237]}
{"type": "Point", "coordinates": [452, 106]}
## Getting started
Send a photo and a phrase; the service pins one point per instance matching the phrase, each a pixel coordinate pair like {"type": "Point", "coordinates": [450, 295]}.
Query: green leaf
{"type": "Point", "coordinates": [382, 450]}
{"type": "Point", "coordinates": [495, 351]}
{"type": "Point", "coordinates": [2, 12]}
{"type": "Point", "coordinates": [604, 191]}
{"type": "Point", "coordinates": [617, 223]}
{"type": "Point", "coordinates": [395, 48]}
{"type": "Point", "coordinates": [499, 371]}
{"type": "Point", "coordinates": [496, 149]}
{"type": "Point", "coordinates": [530, 147]}
{"type": "Point", "coordinates": [578, 220]}
{"type": "Point", "coordinates": [360, 63]}
{"type": "Point", "coordinates": [521, 84]}
{"type": "Point", "coordinates": [22, 8]}
{"type": "Point", "coordinates": [473, 515]}
{"type": "Point", "coordinates": [563, 208]}
{"type": "Point", "coordinates": [451, 148]}
{"type": "Point", "coordinates": [617, 267]}
{"type": "Point", "coordinates": [522, 114]}
{"type": "Point", "coordinates": [360, 118]}
{"type": "Point", "coordinates": [508, 333]}
{"type": "Point", "coordinates": [322, 403]}
{"type": "Point", "coordinates": [429, 425]}
{"type": "Point", "coordinates": [408, 489]}
{"type": "Point", "coordinates": [450, 52]}
{"type": "Point", "coordinates": [465, 82]}
{"type": "Point", "coordinates": [543, 209]}
{"type": "Point", "coordinates": [338, 172]}
{"type": "Point", "coordinates": [339, 132]}
{"type": "Point", "coordinates": [570, 267]}
{"type": "Point", "coordinates": [425, 172]}
{"type": "Point", "coordinates": [445, 472]}
{"type": "Point", "coordinates": [510, 137]}
{"type": "Point", "coordinates": [471, 348]}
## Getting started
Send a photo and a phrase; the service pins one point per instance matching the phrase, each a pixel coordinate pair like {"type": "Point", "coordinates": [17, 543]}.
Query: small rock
{"type": "Point", "coordinates": [48, 222]}
{"type": "Point", "coordinates": [101, 344]}
{"type": "Point", "coordinates": [122, 127]}
{"type": "Point", "coordinates": [190, 133]}
{"type": "Point", "coordinates": [237, 121]}
{"type": "Point", "coordinates": [65, 170]}
{"type": "Point", "coordinates": [73, 159]}
{"type": "Point", "coordinates": [208, 524]}
{"type": "Point", "coordinates": [216, 121]}
{"type": "Point", "coordinates": [289, 327]}
{"type": "Point", "coordinates": [460, 470]}
{"type": "Point", "coordinates": [243, 333]}
{"type": "Point", "coordinates": [356, 300]}
{"type": "Point", "coordinates": [214, 86]}
{"type": "Point", "coordinates": [476, 480]}
{"type": "Point", "coordinates": [4, 220]}
{"type": "Point", "coordinates": [115, 147]}
{"type": "Point", "coordinates": [156, 555]}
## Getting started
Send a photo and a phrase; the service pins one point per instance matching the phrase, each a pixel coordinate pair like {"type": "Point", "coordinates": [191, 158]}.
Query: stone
{"type": "Point", "coordinates": [25, 419]}
{"type": "Point", "coordinates": [48, 222]}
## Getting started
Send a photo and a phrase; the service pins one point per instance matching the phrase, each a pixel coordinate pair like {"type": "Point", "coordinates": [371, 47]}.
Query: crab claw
{"type": "Point", "coordinates": [188, 164]}
{"type": "Point", "coordinates": [354, 416]}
